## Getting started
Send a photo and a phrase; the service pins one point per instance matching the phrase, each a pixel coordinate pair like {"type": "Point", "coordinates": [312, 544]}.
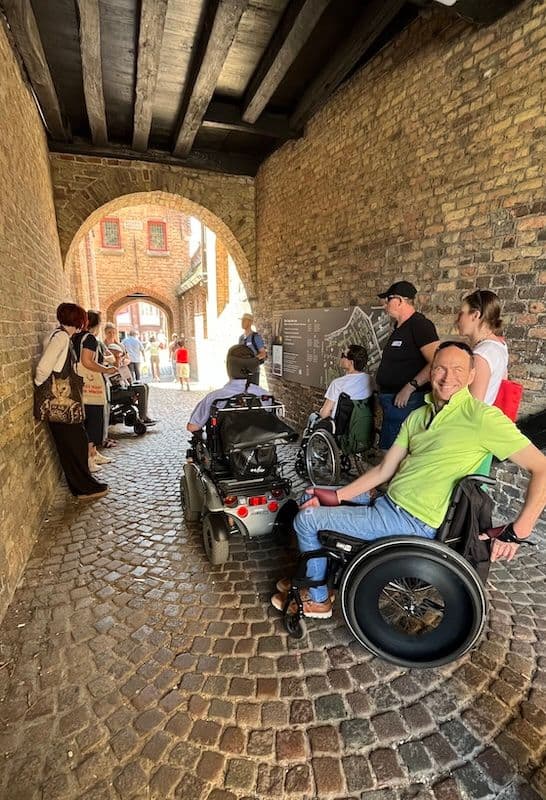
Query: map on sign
{"type": "Point", "coordinates": [313, 339]}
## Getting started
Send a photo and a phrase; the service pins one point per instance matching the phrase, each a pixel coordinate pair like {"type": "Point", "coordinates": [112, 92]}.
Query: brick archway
{"type": "Point", "coordinates": [119, 299]}
{"type": "Point", "coordinates": [165, 200]}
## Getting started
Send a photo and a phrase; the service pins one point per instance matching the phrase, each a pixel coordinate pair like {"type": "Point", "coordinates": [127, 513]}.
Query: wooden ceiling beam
{"type": "Point", "coordinates": [221, 115]}
{"type": "Point", "coordinates": [89, 22]}
{"type": "Point", "coordinates": [211, 54]}
{"type": "Point", "coordinates": [24, 29]}
{"type": "Point", "coordinates": [232, 163]}
{"type": "Point", "coordinates": [377, 14]}
{"type": "Point", "coordinates": [152, 24]}
{"type": "Point", "coordinates": [292, 33]}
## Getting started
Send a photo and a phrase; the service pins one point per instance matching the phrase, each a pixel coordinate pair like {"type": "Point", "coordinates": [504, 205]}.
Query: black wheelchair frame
{"type": "Point", "coordinates": [411, 601]}
{"type": "Point", "coordinates": [320, 457]}
{"type": "Point", "coordinates": [126, 412]}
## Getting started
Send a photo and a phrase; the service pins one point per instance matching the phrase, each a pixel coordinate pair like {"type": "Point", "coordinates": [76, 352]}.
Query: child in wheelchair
{"type": "Point", "coordinates": [438, 445]}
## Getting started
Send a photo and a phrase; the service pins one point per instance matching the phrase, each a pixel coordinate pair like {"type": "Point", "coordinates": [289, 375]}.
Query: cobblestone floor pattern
{"type": "Point", "coordinates": [130, 668]}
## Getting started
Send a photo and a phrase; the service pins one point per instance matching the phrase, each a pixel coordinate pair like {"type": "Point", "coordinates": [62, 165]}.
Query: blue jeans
{"type": "Point", "coordinates": [366, 522]}
{"type": "Point", "coordinates": [393, 417]}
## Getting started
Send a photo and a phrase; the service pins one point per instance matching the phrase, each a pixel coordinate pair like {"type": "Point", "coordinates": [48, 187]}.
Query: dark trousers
{"type": "Point", "coordinates": [393, 417]}
{"type": "Point", "coordinates": [71, 443]}
{"type": "Point", "coordinates": [134, 366]}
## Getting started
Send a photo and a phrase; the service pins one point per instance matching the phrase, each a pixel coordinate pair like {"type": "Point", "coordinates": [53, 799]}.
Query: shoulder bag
{"type": "Point", "coordinates": [59, 397]}
{"type": "Point", "coordinates": [94, 387]}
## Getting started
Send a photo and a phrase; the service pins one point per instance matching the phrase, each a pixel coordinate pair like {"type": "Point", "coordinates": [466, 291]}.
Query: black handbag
{"type": "Point", "coordinates": [59, 397]}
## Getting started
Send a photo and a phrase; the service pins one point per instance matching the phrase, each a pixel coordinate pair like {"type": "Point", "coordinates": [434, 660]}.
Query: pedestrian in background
{"type": "Point", "coordinates": [182, 364]}
{"type": "Point", "coordinates": [154, 358]}
{"type": "Point", "coordinates": [254, 340]}
{"type": "Point", "coordinates": [135, 351]}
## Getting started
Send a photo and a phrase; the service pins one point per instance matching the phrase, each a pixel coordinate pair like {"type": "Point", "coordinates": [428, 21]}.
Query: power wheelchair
{"type": "Point", "coordinates": [414, 602]}
{"type": "Point", "coordinates": [326, 447]}
{"type": "Point", "coordinates": [232, 480]}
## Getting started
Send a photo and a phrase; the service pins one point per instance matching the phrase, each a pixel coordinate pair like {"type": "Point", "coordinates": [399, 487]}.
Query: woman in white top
{"type": "Point", "coordinates": [479, 320]}
{"type": "Point", "coordinates": [70, 440]}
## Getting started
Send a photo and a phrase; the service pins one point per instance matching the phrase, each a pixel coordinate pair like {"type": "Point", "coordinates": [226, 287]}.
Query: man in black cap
{"type": "Point", "coordinates": [403, 374]}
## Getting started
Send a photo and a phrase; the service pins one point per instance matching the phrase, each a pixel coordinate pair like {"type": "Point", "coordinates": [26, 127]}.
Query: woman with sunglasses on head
{"type": "Point", "coordinates": [480, 322]}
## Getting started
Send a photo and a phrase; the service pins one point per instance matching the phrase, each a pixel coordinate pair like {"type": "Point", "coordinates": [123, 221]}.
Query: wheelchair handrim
{"type": "Point", "coordinates": [458, 583]}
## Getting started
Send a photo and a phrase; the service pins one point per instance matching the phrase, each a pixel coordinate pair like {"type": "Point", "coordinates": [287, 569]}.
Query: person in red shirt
{"type": "Point", "coordinates": [182, 365]}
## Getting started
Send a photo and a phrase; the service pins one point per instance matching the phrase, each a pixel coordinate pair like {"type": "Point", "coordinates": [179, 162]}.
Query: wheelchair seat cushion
{"type": "Point", "coordinates": [252, 427]}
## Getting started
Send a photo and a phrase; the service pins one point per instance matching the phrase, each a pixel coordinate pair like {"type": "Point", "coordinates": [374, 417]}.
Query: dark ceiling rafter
{"type": "Point", "coordinates": [89, 24]}
{"type": "Point", "coordinates": [376, 15]}
{"type": "Point", "coordinates": [211, 55]}
{"type": "Point", "coordinates": [152, 24]}
{"type": "Point", "coordinates": [223, 115]}
{"type": "Point", "coordinates": [216, 161]}
{"type": "Point", "coordinates": [24, 29]}
{"type": "Point", "coordinates": [291, 35]}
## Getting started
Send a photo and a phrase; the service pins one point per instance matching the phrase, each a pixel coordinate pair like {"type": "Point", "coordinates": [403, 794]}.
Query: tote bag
{"type": "Point", "coordinates": [94, 387]}
{"type": "Point", "coordinates": [59, 397]}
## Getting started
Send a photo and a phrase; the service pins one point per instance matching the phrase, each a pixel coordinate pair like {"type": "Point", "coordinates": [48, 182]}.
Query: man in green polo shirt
{"type": "Point", "coordinates": [438, 444]}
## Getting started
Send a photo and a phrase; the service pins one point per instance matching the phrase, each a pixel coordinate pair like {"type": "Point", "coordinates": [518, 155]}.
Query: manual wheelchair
{"type": "Point", "coordinates": [124, 410]}
{"type": "Point", "coordinates": [326, 447]}
{"type": "Point", "coordinates": [411, 601]}
{"type": "Point", "coordinates": [232, 480]}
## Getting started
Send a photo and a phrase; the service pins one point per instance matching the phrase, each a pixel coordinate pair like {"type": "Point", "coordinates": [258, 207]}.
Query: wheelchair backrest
{"type": "Point", "coordinates": [469, 513]}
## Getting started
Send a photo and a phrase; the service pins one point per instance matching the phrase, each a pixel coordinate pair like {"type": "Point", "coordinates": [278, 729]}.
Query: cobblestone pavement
{"type": "Point", "coordinates": [130, 668]}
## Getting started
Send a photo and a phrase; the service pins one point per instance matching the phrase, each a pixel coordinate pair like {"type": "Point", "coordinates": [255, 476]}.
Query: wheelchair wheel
{"type": "Point", "coordinates": [322, 459]}
{"type": "Point", "coordinates": [215, 542]}
{"type": "Point", "coordinates": [139, 428]}
{"type": "Point", "coordinates": [189, 514]}
{"type": "Point", "coordinates": [416, 603]}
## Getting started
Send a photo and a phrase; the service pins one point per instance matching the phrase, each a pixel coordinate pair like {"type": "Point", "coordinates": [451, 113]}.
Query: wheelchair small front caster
{"type": "Point", "coordinates": [294, 625]}
{"type": "Point", "coordinates": [139, 428]}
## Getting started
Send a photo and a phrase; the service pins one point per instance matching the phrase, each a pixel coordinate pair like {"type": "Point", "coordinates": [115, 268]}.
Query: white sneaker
{"type": "Point", "coordinates": [92, 466]}
{"type": "Point", "coordinates": [100, 459]}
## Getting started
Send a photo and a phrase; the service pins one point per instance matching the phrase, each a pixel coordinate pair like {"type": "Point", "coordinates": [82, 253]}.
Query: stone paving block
{"type": "Point", "coordinates": [156, 746]}
{"type": "Point", "coordinates": [356, 734]}
{"type": "Point", "coordinates": [290, 745]}
{"type": "Point", "coordinates": [163, 781]}
{"type": "Point", "coordinates": [210, 766]}
{"type": "Point", "coordinates": [233, 740]}
{"type": "Point", "coordinates": [191, 786]}
{"type": "Point", "coordinates": [240, 774]}
{"type": "Point", "coordinates": [130, 780]}
{"type": "Point", "coordinates": [330, 707]}
{"type": "Point", "coordinates": [386, 767]}
{"type": "Point", "coordinates": [329, 778]}
{"type": "Point", "coordinates": [298, 780]}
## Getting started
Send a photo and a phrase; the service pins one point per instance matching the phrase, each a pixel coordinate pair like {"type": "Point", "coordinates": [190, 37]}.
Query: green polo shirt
{"type": "Point", "coordinates": [444, 447]}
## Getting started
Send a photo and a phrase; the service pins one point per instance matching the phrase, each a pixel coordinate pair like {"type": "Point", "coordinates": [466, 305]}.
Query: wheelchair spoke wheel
{"type": "Point", "coordinates": [214, 541]}
{"type": "Point", "coordinates": [322, 459]}
{"type": "Point", "coordinates": [416, 603]}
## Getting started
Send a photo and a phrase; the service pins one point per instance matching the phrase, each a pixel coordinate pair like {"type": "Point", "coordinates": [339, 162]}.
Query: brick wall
{"type": "Point", "coordinates": [429, 165]}
{"type": "Point", "coordinates": [32, 285]}
{"type": "Point", "coordinates": [115, 272]}
{"type": "Point", "coordinates": [86, 189]}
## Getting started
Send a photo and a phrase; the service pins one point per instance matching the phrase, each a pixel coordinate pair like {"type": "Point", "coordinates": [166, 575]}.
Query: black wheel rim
{"type": "Point", "coordinates": [413, 607]}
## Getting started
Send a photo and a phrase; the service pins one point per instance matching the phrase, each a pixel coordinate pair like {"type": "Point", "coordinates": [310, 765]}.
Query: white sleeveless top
{"type": "Point", "coordinates": [496, 355]}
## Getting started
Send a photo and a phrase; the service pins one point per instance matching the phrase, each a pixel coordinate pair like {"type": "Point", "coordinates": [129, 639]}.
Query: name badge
{"type": "Point", "coordinates": [396, 343]}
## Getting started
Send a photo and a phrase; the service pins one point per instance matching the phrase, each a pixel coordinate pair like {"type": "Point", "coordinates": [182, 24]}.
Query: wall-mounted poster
{"type": "Point", "coordinates": [276, 359]}
{"type": "Point", "coordinates": [312, 340]}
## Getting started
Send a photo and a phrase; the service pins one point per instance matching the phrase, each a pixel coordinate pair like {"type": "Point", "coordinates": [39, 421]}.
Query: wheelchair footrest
{"type": "Point", "coordinates": [340, 541]}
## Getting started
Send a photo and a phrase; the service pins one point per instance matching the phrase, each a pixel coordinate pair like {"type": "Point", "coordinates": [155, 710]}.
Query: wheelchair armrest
{"type": "Point", "coordinates": [334, 540]}
{"type": "Point", "coordinates": [480, 479]}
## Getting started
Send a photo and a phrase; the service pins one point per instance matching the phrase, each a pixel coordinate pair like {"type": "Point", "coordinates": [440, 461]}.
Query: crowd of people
{"type": "Point", "coordinates": [109, 372]}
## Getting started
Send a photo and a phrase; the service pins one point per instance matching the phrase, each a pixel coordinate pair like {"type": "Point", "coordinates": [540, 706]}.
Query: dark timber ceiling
{"type": "Point", "coordinates": [213, 84]}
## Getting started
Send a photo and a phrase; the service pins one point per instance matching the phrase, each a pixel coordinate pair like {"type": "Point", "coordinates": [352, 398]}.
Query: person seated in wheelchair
{"type": "Point", "coordinates": [122, 389]}
{"type": "Point", "coordinates": [438, 444]}
{"type": "Point", "coordinates": [240, 365]}
{"type": "Point", "coordinates": [356, 383]}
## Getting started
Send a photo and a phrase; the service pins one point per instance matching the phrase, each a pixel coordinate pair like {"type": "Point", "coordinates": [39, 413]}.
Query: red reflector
{"type": "Point", "coordinates": [273, 506]}
{"type": "Point", "coordinates": [277, 493]}
{"type": "Point", "coordinates": [230, 500]}
{"type": "Point", "coordinates": [242, 511]}
{"type": "Point", "coordinates": [213, 422]}
{"type": "Point", "coordinates": [259, 500]}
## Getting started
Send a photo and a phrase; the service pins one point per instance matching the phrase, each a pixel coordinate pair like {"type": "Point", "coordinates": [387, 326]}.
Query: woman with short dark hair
{"type": "Point", "coordinates": [70, 439]}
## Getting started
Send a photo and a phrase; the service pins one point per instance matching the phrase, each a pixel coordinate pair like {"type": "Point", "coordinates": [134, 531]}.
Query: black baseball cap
{"type": "Point", "coordinates": [402, 288]}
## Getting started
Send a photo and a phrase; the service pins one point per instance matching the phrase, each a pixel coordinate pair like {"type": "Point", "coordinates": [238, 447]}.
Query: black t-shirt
{"type": "Point", "coordinates": [87, 341]}
{"type": "Point", "coordinates": [402, 358]}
